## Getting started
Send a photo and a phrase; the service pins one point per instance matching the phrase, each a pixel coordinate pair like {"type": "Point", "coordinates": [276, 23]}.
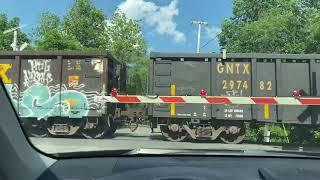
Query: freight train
{"type": "Point", "coordinates": [243, 75]}
{"type": "Point", "coordinates": [54, 93]}
{"type": "Point", "coordinates": [59, 93]}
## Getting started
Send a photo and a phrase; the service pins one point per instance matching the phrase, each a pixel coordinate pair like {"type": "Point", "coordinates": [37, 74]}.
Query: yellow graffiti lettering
{"type": "Point", "coordinates": [71, 101]}
{"type": "Point", "coordinates": [220, 68]}
{"type": "Point", "coordinates": [245, 69]}
{"type": "Point", "coordinates": [3, 73]}
{"type": "Point", "coordinates": [78, 65]}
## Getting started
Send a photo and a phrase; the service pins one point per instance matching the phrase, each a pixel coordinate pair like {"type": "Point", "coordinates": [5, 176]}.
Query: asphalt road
{"type": "Point", "coordinates": [140, 139]}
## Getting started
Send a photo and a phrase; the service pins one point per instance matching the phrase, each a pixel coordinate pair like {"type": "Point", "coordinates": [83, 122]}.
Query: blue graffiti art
{"type": "Point", "coordinates": [39, 102]}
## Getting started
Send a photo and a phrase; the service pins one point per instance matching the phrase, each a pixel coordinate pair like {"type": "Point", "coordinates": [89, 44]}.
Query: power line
{"type": "Point", "coordinates": [207, 42]}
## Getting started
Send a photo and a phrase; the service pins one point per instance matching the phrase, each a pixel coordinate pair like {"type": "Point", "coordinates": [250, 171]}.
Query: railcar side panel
{"type": "Point", "coordinates": [233, 78]}
{"type": "Point", "coordinates": [315, 88]}
{"type": "Point", "coordinates": [162, 84]}
{"type": "Point", "coordinates": [9, 72]}
{"type": "Point", "coordinates": [40, 87]}
{"type": "Point", "coordinates": [190, 84]}
{"type": "Point", "coordinates": [81, 79]}
{"type": "Point", "coordinates": [293, 75]}
{"type": "Point", "coordinates": [264, 85]}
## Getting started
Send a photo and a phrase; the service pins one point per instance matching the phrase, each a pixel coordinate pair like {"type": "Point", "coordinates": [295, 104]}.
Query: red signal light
{"type": "Point", "coordinates": [296, 93]}
{"type": "Point", "coordinates": [203, 92]}
{"type": "Point", "coordinates": [114, 91]}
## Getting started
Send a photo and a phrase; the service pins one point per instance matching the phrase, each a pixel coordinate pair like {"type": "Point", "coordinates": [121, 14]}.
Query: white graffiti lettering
{"type": "Point", "coordinates": [39, 72]}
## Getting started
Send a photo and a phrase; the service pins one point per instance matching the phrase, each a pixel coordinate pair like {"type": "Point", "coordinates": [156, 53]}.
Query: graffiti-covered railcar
{"type": "Point", "coordinates": [244, 75]}
{"type": "Point", "coordinates": [55, 92]}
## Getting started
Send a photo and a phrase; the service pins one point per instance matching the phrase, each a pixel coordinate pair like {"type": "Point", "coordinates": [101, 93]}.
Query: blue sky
{"type": "Point", "coordinates": [165, 23]}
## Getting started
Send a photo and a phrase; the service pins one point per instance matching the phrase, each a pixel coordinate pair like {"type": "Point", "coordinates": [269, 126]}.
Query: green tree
{"type": "Point", "coordinates": [126, 43]}
{"type": "Point", "coordinates": [85, 22]}
{"type": "Point", "coordinates": [7, 39]}
{"type": "Point", "coordinates": [277, 31]}
{"type": "Point", "coordinates": [274, 26]}
{"type": "Point", "coordinates": [85, 27]}
{"type": "Point", "coordinates": [50, 36]}
{"type": "Point", "coordinates": [125, 40]}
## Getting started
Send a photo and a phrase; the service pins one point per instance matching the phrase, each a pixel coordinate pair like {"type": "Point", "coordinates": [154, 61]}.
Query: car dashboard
{"type": "Point", "coordinates": [183, 167]}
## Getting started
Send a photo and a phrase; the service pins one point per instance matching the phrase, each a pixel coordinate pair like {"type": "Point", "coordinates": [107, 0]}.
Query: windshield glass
{"type": "Point", "coordinates": [205, 76]}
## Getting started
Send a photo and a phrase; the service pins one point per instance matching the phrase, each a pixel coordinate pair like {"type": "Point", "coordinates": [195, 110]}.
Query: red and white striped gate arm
{"type": "Point", "coordinates": [311, 101]}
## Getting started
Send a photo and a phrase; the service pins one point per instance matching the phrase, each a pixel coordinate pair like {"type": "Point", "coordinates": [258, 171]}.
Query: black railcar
{"type": "Point", "coordinates": [56, 92]}
{"type": "Point", "coordinates": [261, 75]}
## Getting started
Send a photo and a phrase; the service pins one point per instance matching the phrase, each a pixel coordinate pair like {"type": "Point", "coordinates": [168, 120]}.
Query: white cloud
{"type": "Point", "coordinates": [212, 32]}
{"type": "Point", "coordinates": [161, 17]}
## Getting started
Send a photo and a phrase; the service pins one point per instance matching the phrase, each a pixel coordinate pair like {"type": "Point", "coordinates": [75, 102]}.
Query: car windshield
{"type": "Point", "coordinates": [164, 77]}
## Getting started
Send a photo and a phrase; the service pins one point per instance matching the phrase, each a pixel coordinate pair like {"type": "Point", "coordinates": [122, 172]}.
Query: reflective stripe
{"type": "Point", "coordinates": [128, 99]}
{"type": "Point", "coordinates": [241, 100]}
{"type": "Point", "coordinates": [172, 105]}
{"type": "Point", "coordinates": [288, 101]}
{"type": "Point", "coordinates": [266, 112]}
{"type": "Point", "coordinates": [312, 101]}
{"type": "Point", "coordinates": [264, 100]}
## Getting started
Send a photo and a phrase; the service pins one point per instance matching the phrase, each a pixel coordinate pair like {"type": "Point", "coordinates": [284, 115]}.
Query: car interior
{"type": "Point", "coordinates": [19, 159]}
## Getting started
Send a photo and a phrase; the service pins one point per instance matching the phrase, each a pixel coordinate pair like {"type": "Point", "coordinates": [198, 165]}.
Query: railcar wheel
{"type": "Point", "coordinates": [37, 129]}
{"type": "Point", "coordinates": [39, 132]}
{"type": "Point", "coordinates": [233, 135]}
{"type": "Point", "coordinates": [96, 130]}
{"type": "Point", "coordinates": [174, 132]}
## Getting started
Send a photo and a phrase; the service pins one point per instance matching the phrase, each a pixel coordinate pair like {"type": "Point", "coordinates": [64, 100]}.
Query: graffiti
{"type": "Point", "coordinates": [39, 98]}
{"type": "Point", "coordinates": [73, 81]}
{"type": "Point", "coordinates": [93, 104]}
{"type": "Point", "coordinates": [41, 101]}
{"type": "Point", "coordinates": [78, 87]}
{"type": "Point", "coordinates": [3, 73]}
{"type": "Point", "coordinates": [39, 72]}
{"type": "Point", "coordinates": [37, 101]}
{"type": "Point", "coordinates": [97, 65]}
{"type": "Point", "coordinates": [13, 92]}
{"type": "Point", "coordinates": [234, 93]}
{"type": "Point", "coordinates": [41, 95]}
{"type": "Point", "coordinates": [76, 67]}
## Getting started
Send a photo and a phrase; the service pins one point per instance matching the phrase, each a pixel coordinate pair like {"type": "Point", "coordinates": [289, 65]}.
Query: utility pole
{"type": "Point", "coordinates": [199, 23]}
{"type": "Point", "coordinates": [14, 44]}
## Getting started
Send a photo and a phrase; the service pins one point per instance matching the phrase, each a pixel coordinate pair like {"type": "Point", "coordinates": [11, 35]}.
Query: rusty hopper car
{"type": "Point", "coordinates": [54, 92]}
{"type": "Point", "coordinates": [257, 75]}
